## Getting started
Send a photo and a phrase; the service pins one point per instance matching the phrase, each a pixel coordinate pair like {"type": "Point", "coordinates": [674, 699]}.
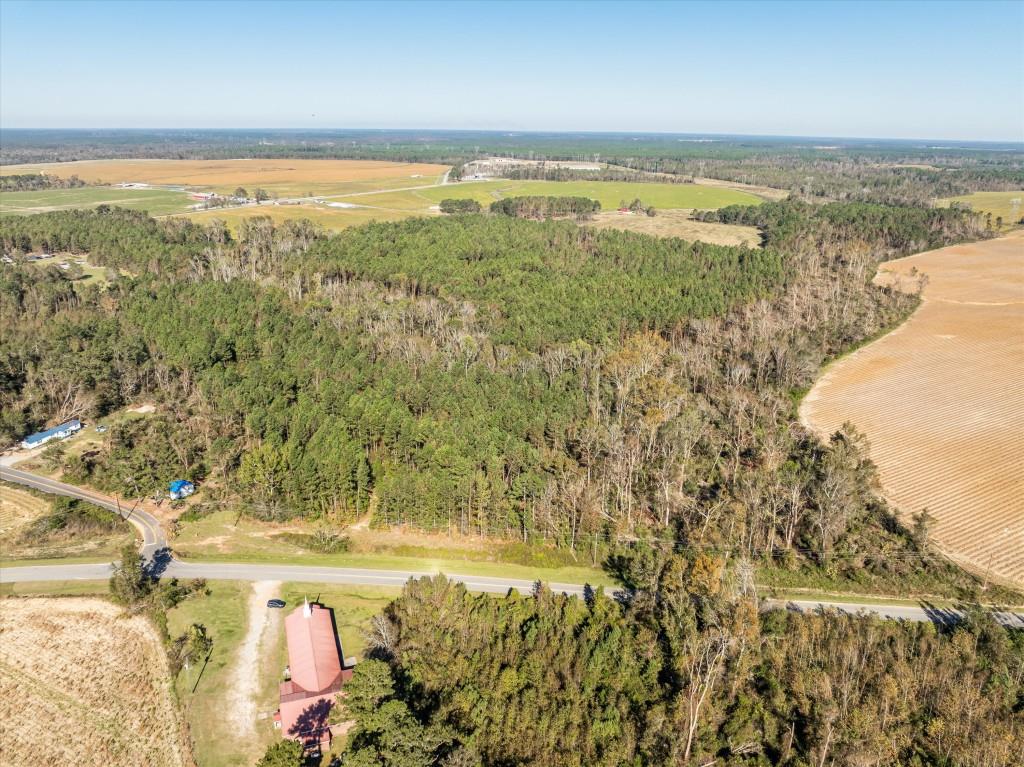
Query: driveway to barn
{"type": "Point", "coordinates": [263, 622]}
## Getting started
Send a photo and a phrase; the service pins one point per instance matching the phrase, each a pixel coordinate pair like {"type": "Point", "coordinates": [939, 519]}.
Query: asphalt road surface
{"type": "Point", "coordinates": [155, 550]}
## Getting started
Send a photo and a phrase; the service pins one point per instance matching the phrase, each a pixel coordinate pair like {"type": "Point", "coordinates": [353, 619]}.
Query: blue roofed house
{"type": "Point", "coordinates": [63, 431]}
{"type": "Point", "coordinates": [180, 488]}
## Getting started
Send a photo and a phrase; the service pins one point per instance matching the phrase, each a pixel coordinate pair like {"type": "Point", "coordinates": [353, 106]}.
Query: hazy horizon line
{"type": "Point", "coordinates": [512, 132]}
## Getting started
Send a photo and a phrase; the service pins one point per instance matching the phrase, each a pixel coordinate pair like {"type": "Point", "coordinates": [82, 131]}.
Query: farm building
{"type": "Point", "coordinates": [180, 488]}
{"type": "Point", "coordinates": [63, 431]}
{"type": "Point", "coordinates": [316, 675]}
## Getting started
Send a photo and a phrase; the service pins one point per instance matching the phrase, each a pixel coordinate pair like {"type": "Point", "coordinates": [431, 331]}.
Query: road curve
{"type": "Point", "coordinates": [153, 538]}
{"type": "Point", "coordinates": [155, 550]}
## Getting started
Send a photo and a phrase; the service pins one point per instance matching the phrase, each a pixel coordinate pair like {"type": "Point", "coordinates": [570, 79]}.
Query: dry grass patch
{"type": "Point", "coordinates": [942, 404]}
{"type": "Point", "coordinates": [84, 684]}
{"type": "Point", "coordinates": [678, 223]}
{"type": "Point", "coordinates": [17, 509]}
{"type": "Point", "coordinates": [28, 532]}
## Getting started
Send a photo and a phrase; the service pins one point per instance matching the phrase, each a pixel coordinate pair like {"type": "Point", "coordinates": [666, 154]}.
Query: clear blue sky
{"type": "Point", "coordinates": [873, 69]}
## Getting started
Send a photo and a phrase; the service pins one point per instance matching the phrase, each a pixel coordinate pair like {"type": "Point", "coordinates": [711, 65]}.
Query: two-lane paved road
{"type": "Point", "coordinates": [153, 537]}
{"type": "Point", "coordinates": [155, 541]}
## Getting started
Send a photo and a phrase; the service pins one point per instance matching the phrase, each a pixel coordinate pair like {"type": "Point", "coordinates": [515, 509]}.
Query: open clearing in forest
{"type": "Point", "coordinates": [156, 202]}
{"type": "Point", "coordinates": [609, 193]}
{"type": "Point", "coordinates": [941, 401]}
{"type": "Point", "coordinates": [395, 205]}
{"type": "Point", "coordinates": [329, 218]}
{"type": "Point", "coordinates": [282, 177]}
{"type": "Point", "coordinates": [82, 683]}
{"type": "Point", "coordinates": [677, 223]}
{"type": "Point", "coordinates": [999, 204]}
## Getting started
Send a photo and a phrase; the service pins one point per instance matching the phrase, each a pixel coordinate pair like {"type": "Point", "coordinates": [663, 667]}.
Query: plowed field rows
{"type": "Point", "coordinates": [941, 400]}
{"type": "Point", "coordinates": [82, 683]}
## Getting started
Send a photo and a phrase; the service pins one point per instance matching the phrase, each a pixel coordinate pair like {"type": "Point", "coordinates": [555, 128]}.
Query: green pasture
{"type": "Point", "coordinates": [999, 204]}
{"type": "Point", "coordinates": [157, 202]}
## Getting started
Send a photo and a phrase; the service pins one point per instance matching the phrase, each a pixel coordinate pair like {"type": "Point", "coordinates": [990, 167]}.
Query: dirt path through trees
{"type": "Point", "coordinates": [941, 400]}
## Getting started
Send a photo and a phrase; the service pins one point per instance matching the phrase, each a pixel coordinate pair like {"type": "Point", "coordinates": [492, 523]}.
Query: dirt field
{"type": "Point", "coordinates": [81, 684]}
{"type": "Point", "coordinates": [677, 223]}
{"type": "Point", "coordinates": [942, 402]}
{"type": "Point", "coordinates": [284, 177]}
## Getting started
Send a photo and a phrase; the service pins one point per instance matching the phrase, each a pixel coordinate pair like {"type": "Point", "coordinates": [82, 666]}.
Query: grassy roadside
{"type": "Point", "coordinates": [426, 565]}
{"type": "Point", "coordinates": [55, 588]}
{"type": "Point", "coordinates": [225, 537]}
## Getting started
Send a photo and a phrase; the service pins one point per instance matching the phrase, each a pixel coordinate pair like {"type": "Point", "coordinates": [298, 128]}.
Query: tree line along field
{"type": "Point", "coordinates": [941, 402]}
{"type": "Point", "coordinates": [672, 202]}
{"type": "Point", "coordinates": [1009, 206]}
{"type": "Point", "coordinates": [350, 192]}
{"type": "Point", "coordinates": [282, 177]}
{"type": "Point", "coordinates": [83, 683]}
{"type": "Point", "coordinates": [609, 193]}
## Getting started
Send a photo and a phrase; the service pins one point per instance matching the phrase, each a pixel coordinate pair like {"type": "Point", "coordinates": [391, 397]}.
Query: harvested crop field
{"type": "Point", "coordinates": [942, 402]}
{"type": "Point", "coordinates": [18, 508]}
{"type": "Point", "coordinates": [83, 684]}
{"type": "Point", "coordinates": [284, 177]}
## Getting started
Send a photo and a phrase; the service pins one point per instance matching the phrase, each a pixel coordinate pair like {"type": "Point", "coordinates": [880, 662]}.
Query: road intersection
{"type": "Point", "coordinates": [156, 551]}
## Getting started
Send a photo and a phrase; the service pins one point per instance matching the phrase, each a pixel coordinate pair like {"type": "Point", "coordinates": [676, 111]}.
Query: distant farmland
{"type": "Point", "coordinates": [82, 683]}
{"type": "Point", "coordinates": [999, 204]}
{"type": "Point", "coordinates": [942, 404]}
{"type": "Point", "coordinates": [609, 193]}
{"type": "Point", "coordinates": [327, 217]}
{"type": "Point", "coordinates": [281, 177]}
{"type": "Point", "coordinates": [156, 202]}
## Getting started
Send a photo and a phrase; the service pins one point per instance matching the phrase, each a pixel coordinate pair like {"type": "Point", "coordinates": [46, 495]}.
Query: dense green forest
{"type": "Point", "coordinates": [684, 672]}
{"type": "Point", "coordinates": [540, 207]}
{"type": "Point", "coordinates": [453, 205]}
{"type": "Point", "coordinates": [480, 374]}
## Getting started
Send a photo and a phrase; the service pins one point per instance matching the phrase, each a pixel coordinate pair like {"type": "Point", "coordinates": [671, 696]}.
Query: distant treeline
{"type": "Point", "coordinates": [28, 182]}
{"type": "Point", "coordinates": [892, 172]}
{"type": "Point", "coordinates": [542, 172]}
{"type": "Point", "coordinates": [541, 207]}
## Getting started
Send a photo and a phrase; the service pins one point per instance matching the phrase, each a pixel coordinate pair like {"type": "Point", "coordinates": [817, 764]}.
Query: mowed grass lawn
{"type": "Point", "coordinates": [996, 203]}
{"type": "Point", "coordinates": [157, 202]}
{"type": "Point", "coordinates": [609, 193]}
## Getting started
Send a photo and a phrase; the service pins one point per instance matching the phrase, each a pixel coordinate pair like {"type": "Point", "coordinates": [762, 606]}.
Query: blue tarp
{"type": "Point", "coordinates": [180, 484]}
